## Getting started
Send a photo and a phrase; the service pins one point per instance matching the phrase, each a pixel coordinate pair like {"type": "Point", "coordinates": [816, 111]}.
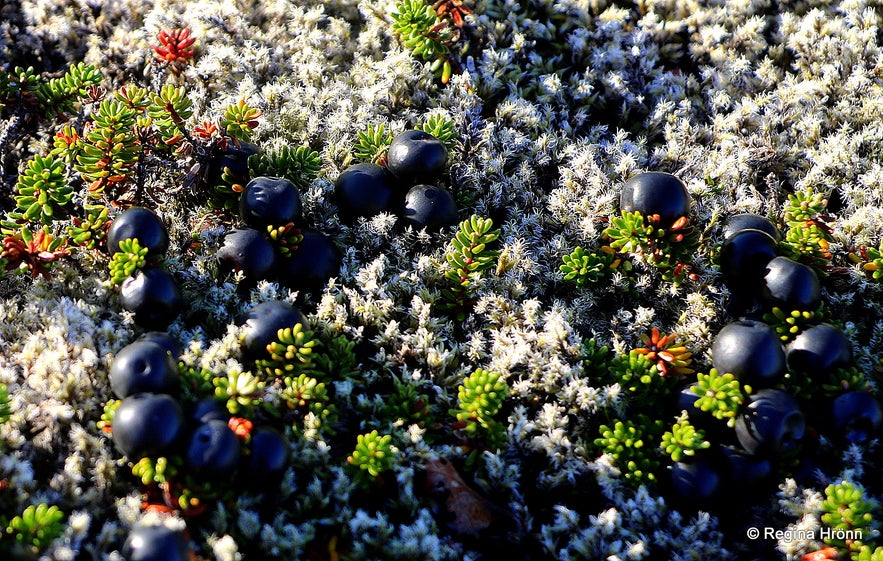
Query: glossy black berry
{"type": "Point", "coordinates": [208, 409]}
{"type": "Point", "coordinates": [416, 157]}
{"type": "Point", "coordinates": [166, 341]}
{"type": "Point", "coordinates": [751, 351]}
{"type": "Point", "coordinates": [232, 161]}
{"type": "Point", "coordinates": [143, 224]}
{"type": "Point", "coordinates": [156, 543]}
{"type": "Point", "coordinates": [430, 207]}
{"type": "Point", "coordinates": [213, 450]}
{"type": "Point", "coordinates": [771, 425]}
{"type": "Point", "coordinates": [656, 193]}
{"type": "Point", "coordinates": [742, 471]}
{"type": "Point", "coordinates": [147, 424]}
{"type": "Point", "coordinates": [695, 482]}
{"type": "Point", "coordinates": [153, 296]}
{"type": "Point", "coordinates": [143, 366]}
{"type": "Point", "coordinates": [263, 321]}
{"type": "Point", "coordinates": [249, 251]}
{"type": "Point", "coordinates": [790, 285]}
{"type": "Point", "coordinates": [268, 460]}
{"type": "Point", "coordinates": [364, 190]}
{"type": "Point", "coordinates": [270, 201]}
{"type": "Point", "coordinates": [856, 416]}
{"type": "Point", "coordinates": [316, 260]}
{"type": "Point", "coordinates": [739, 222]}
{"type": "Point", "coordinates": [744, 257]}
{"type": "Point", "coordinates": [819, 350]}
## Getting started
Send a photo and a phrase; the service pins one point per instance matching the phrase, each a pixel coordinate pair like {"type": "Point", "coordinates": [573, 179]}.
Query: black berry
{"type": "Point", "coordinates": [316, 260]}
{"type": "Point", "coordinates": [771, 425]}
{"type": "Point", "coordinates": [744, 257]}
{"type": "Point", "coordinates": [263, 321]}
{"type": "Point", "coordinates": [213, 450]}
{"type": "Point", "coordinates": [819, 350]}
{"type": "Point", "coordinates": [656, 193]}
{"type": "Point", "coordinates": [146, 424]}
{"type": "Point", "coordinates": [416, 157]}
{"type": "Point", "coordinates": [156, 543]}
{"type": "Point", "coordinates": [143, 366]}
{"type": "Point", "coordinates": [739, 222]}
{"type": "Point", "coordinates": [751, 351]}
{"type": "Point", "coordinates": [270, 201]}
{"type": "Point", "coordinates": [153, 296]}
{"type": "Point", "coordinates": [364, 190]}
{"type": "Point", "coordinates": [249, 251]}
{"type": "Point", "coordinates": [143, 224]}
{"type": "Point", "coordinates": [790, 285]}
{"type": "Point", "coordinates": [429, 207]}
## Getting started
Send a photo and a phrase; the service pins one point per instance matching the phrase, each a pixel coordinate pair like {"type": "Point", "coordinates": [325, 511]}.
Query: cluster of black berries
{"type": "Point", "coordinates": [415, 162]}
{"type": "Point", "coordinates": [151, 421]}
{"type": "Point", "coordinates": [270, 245]}
{"type": "Point", "coordinates": [150, 292]}
{"type": "Point", "coordinates": [774, 424]}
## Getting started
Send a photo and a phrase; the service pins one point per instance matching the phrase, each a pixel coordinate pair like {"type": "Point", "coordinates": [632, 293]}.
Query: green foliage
{"type": "Point", "coordinates": [668, 249]}
{"type": "Point", "coordinates": [480, 397]}
{"type": "Point", "coordinates": [37, 526]}
{"type": "Point", "coordinates": [127, 260]}
{"type": "Point", "coordinates": [373, 455]}
{"type": "Point", "coordinates": [720, 394]}
{"type": "Point", "coordinates": [867, 553]}
{"type": "Point", "coordinates": [66, 144]}
{"type": "Point", "coordinates": [158, 470]}
{"type": "Point", "coordinates": [239, 120]}
{"type": "Point", "coordinates": [467, 258]}
{"type": "Point", "coordinates": [789, 324]}
{"type": "Point", "coordinates": [91, 231]}
{"type": "Point", "coordinates": [683, 439]}
{"type": "Point", "coordinates": [803, 206]}
{"type": "Point", "coordinates": [871, 261]}
{"type": "Point", "coordinates": [844, 379]}
{"type": "Point", "coordinates": [299, 165]}
{"type": "Point", "coordinates": [242, 391]}
{"type": "Point", "coordinates": [110, 149]}
{"type": "Point", "coordinates": [629, 233]}
{"type": "Point", "coordinates": [808, 236]}
{"type": "Point", "coordinates": [19, 88]}
{"type": "Point", "coordinates": [169, 109]}
{"type": "Point", "coordinates": [594, 355]}
{"type": "Point", "coordinates": [305, 394]}
{"type": "Point", "coordinates": [59, 95]}
{"type": "Point", "coordinates": [42, 190]}
{"type": "Point", "coordinates": [34, 251]}
{"type": "Point", "coordinates": [196, 382]}
{"type": "Point", "coordinates": [5, 404]}
{"type": "Point", "coordinates": [335, 358]}
{"type": "Point", "coordinates": [641, 380]}
{"type": "Point", "coordinates": [406, 404]}
{"type": "Point", "coordinates": [371, 143]}
{"type": "Point", "coordinates": [105, 423]}
{"type": "Point", "coordinates": [586, 268]}
{"type": "Point", "coordinates": [304, 391]}
{"type": "Point", "coordinates": [136, 98]}
{"type": "Point", "coordinates": [630, 443]}
{"type": "Point", "coordinates": [291, 351]}
{"type": "Point", "coordinates": [424, 34]}
{"type": "Point", "coordinates": [286, 238]}
{"type": "Point", "coordinates": [444, 129]}
{"type": "Point", "coordinates": [846, 507]}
